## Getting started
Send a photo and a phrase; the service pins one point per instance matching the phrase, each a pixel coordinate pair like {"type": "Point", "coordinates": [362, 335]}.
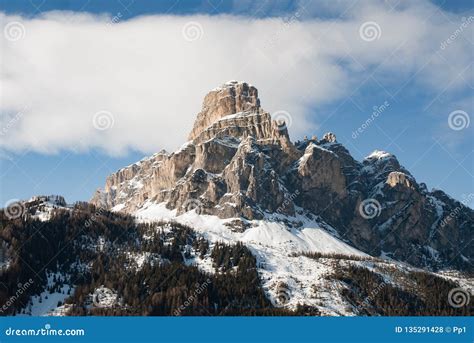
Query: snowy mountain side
{"type": "Point", "coordinates": [116, 264]}
{"type": "Point", "coordinates": [240, 220]}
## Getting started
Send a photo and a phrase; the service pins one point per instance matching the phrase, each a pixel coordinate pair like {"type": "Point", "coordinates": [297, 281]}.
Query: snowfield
{"type": "Point", "coordinates": [313, 237]}
{"type": "Point", "coordinates": [288, 278]}
{"type": "Point", "coordinates": [276, 247]}
{"type": "Point", "coordinates": [285, 273]}
{"type": "Point", "coordinates": [46, 304]}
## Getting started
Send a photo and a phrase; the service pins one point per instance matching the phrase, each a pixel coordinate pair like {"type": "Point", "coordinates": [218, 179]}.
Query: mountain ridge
{"type": "Point", "coordinates": [239, 163]}
{"type": "Point", "coordinates": [263, 225]}
{"type": "Point", "coordinates": [145, 266]}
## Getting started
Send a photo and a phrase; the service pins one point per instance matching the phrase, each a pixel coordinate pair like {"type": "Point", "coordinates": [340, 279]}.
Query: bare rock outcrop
{"type": "Point", "coordinates": [398, 178]}
{"type": "Point", "coordinates": [233, 97]}
{"type": "Point", "coordinates": [321, 169]}
{"type": "Point", "coordinates": [222, 166]}
{"type": "Point", "coordinates": [241, 164]}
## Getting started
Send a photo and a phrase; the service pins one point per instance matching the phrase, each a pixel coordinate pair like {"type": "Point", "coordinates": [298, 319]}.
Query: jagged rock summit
{"type": "Point", "coordinates": [213, 165]}
{"type": "Point", "coordinates": [233, 110]}
{"type": "Point", "coordinates": [239, 163]}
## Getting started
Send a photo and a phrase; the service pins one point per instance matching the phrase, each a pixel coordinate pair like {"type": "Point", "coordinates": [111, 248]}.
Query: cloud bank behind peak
{"type": "Point", "coordinates": [145, 78]}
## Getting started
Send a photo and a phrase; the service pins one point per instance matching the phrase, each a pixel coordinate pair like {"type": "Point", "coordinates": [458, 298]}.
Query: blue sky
{"type": "Point", "coordinates": [325, 86]}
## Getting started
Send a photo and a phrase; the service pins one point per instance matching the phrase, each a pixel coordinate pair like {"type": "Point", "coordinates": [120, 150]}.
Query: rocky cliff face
{"type": "Point", "coordinates": [240, 163]}
{"type": "Point", "coordinates": [227, 164]}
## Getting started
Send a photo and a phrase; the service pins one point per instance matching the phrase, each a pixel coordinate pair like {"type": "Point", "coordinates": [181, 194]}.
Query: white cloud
{"type": "Point", "coordinates": [69, 66]}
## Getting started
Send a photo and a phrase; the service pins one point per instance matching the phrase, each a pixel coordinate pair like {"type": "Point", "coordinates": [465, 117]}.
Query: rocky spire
{"type": "Point", "coordinates": [233, 110]}
{"type": "Point", "coordinates": [231, 98]}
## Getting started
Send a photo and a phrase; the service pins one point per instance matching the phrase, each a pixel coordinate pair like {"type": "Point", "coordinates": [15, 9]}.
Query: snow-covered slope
{"type": "Point", "coordinates": [278, 249]}
{"type": "Point", "coordinates": [310, 236]}
{"type": "Point", "coordinates": [290, 278]}
{"type": "Point", "coordinates": [297, 260]}
{"type": "Point", "coordinates": [47, 303]}
{"type": "Point", "coordinates": [42, 206]}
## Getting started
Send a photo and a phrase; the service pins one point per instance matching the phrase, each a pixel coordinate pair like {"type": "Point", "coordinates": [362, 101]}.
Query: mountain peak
{"type": "Point", "coordinates": [240, 164]}
{"type": "Point", "coordinates": [232, 84]}
{"type": "Point", "coordinates": [230, 99]}
{"type": "Point", "coordinates": [233, 110]}
{"type": "Point", "coordinates": [378, 155]}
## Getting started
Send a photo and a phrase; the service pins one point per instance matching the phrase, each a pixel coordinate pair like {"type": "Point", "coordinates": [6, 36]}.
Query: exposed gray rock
{"type": "Point", "coordinates": [240, 164]}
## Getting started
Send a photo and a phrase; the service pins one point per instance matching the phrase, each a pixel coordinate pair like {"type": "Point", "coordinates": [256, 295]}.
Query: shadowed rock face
{"type": "Point", "coordinates": [240, 163]}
